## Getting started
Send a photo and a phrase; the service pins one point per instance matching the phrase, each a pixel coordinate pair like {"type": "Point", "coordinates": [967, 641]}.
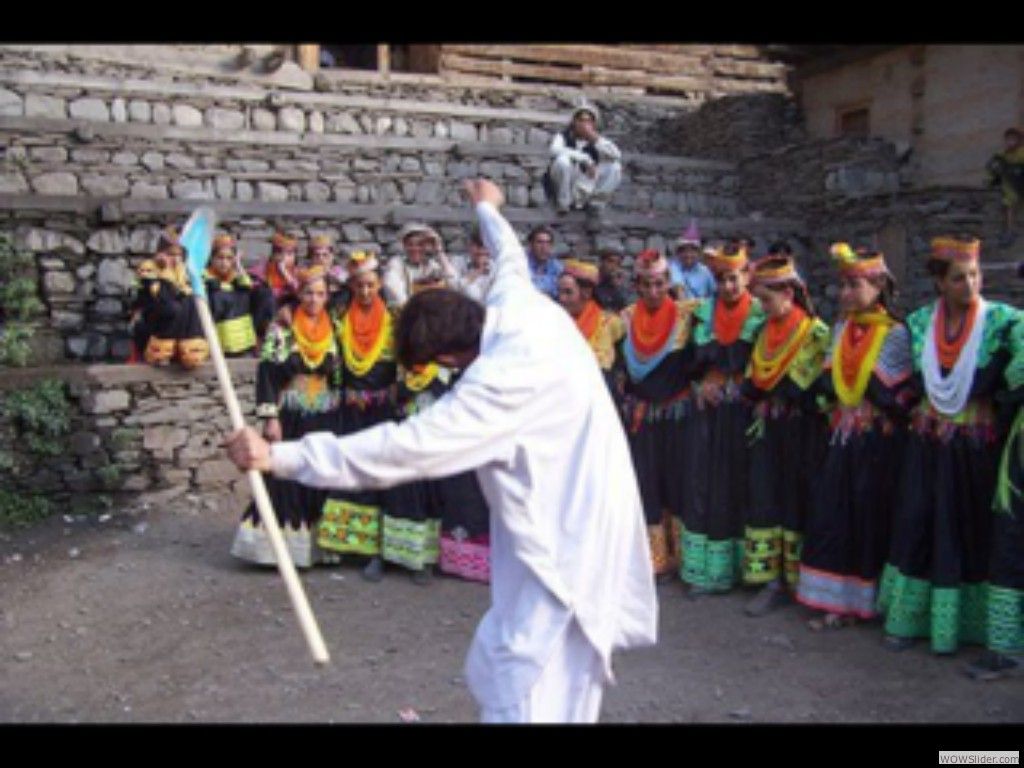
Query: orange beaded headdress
{"type": "Point", "coordinates": [860, 262]}
{"type": "Point", "coordinates": [720, 260]}
{"type": "Point", "coordinates": [280, 241]}
{"type": "Point", "coordinates": [361, 263]}
{"type": "Point", "coordinates": [775, 270]}
{"type": "Point", "coordinates": [650, 263]}
{"type": "Point", "coordinates": [582, 270]}
{"type": "Point", "coordinates": [955, 249]}
{"type": "Point", "coordinates": [223, 241]}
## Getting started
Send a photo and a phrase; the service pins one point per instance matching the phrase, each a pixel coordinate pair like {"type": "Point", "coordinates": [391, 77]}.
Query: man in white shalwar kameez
{"type": "Point", "coordinates": [571, 576]}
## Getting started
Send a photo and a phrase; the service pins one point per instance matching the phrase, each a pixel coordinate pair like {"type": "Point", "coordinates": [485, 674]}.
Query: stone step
{"type": "Point", "coordinates": [233, 211]}
{"type": "Point", "coordinates": [136, 161]}
{"type": "Point", "coordinates": [266, 140]}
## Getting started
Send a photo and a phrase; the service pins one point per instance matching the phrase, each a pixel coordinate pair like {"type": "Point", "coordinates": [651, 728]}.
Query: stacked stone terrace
{"type": "Point", "coordinates": [101, 153]}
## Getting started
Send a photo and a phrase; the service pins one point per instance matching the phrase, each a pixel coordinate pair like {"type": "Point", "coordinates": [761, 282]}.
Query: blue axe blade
{"type": "Point", "coordinates": [197, 240]}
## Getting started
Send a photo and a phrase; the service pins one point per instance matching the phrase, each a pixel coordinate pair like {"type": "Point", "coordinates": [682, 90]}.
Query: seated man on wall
{"type": "Point", "coordinates": [586, 167]}
{"type": "Point", "coordinates": [1006, 170]}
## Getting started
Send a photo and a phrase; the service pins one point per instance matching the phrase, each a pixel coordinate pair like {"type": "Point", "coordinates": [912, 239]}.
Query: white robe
{"type": "Point", "coordinates": [533, 416]}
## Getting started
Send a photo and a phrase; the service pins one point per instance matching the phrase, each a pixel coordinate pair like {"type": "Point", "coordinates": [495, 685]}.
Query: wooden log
{"type": "Point", "coordinates": [583, 55]}
{"type": "Point", "coordinates": [383, 59]}
{"type": "Point", "coordinates": [309, 57]}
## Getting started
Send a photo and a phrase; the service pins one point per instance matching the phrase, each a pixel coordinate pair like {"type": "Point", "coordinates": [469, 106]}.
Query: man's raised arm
{"type": "Point", "coordinates": [498, 236]}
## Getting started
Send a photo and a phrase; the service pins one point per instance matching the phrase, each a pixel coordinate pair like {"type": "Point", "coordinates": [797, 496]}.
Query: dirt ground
{"type": "Point", "coordinates": [144, 617]}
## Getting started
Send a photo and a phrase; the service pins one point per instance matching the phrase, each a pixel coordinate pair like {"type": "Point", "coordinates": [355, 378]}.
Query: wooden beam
{"type": "Point", "coordinates": [309, 57]}
{"type": "Point", "coordinates": [384, 59]}
{"type": "Point", "coordinates": [582, 55]}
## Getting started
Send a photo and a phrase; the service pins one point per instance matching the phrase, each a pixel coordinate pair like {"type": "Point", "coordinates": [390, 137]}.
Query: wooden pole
{"type": "Point", "coordinates": [384, 59]}
{"type": "Point", "coordinates": [309, 57]}
{"type": "Point", "coordinates": [300, 604]}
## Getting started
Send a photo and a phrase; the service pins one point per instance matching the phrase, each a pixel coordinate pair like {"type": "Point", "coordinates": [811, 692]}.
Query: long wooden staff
{"type": "Point", "coordinates": [197, 239]}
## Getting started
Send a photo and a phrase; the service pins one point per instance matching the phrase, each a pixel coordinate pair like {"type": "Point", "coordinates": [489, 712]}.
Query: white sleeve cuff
{"type": "Point", "coordinates": [286, 458]}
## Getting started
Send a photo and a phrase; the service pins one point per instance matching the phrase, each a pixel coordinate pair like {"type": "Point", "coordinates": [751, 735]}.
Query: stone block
{"type": "Point", "coordinates": [410, 165]}
{"type": "Point", "coordinates": [356, 233]}
{"type": "Point", "coordinates": [139, 111]}
{"type": "Point", "coordinates": [106, 241]}
{"type": "Point", "coordinates": [58, 282]}
{"type": "Point", "coordinates": [190, 190]}
{"type": "Point", "coordinates": [164, 437]}
{"type": "Point", "coordinates": [519, 196]}
{"type": "Point", "coordinates": [225, 119]}
{"type": "Point", "coordinates": [291, 119]}
{"type": "Point", "coordinates": [57, 183]}
{"type": "Point", "coordinates": [105, 401]}
{"type": "Point", "coordinates": [383, 125]}
{"type": "Point", "coordinates": [463, 131]}
{"type": "Point", "coordinates": [243, 191]}
{"type": "Point", "coordinates": [344, 193]}
{"type": "Point", "coordinates": [125, 158]}
{"type": "Point", "coordinates": [441, 130]}
{"type": "Point", "coordinates": [500, 135]}
{"type": "Point", "coordinates": [537, 196]}
{"type": "Point", "coordinates": [86, 155]}
{"type": "Point", "coordinates": [421, 129]}
{"type": "Point", "coordinates": [343, 122]}
{"type": "Point", "coordinates": [105, 186]}
{"type": "Point", "coordinates": [186, 116]}
{"type": "Point", "coordinates": [271, 193]}
{"type": "Point", "coordinates": [180, 161]}
{"type": "Point", "coordinates": [317, 192]}
{"type": "Point", "coordinates": [114, 277]}
{"type": "Point", "coordinates": [216, 473]}
{"type": "Point", "coordinates": [67, 321]}
{"type": "Point", "coordinates": [143, 189]}
{"type": "Point", "coordinates": [41, 105]}
{"type": "Point", "coordinates": [316, 122]}
{"type": "Point", "coordinates": [13, 183]}
{"type": "Point", "coordinates": [491, 169]}
{"type": "Point", "coordinates": [153, 161]}
{"type": "Point", "coordinates": [119, 110]}
{"type": "Point", "coordinates": [224, 188]}
{"type": "Point", "coordinates": [538, 137]}
{"type": "Point", "coordinates": [162, 114]}
{"type": "Point", "coordinates": [108, 308]}
{"type": "Point", "coordinates": [263, 120]}
{"type": "Point", "coordinates": [401, 126]}
{"type": "Point", "coordinates": [430, 192]}
{"type": "Point", "coordinates": [89, 109]}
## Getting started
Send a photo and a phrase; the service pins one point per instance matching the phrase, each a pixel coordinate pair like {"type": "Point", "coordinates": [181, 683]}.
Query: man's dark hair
{"type": "Point", "coordinates": [780, 248]}
{"type": "Point", "coordinates": [542, 229]}
{"type": "Point", "coordinates": [436, 322]}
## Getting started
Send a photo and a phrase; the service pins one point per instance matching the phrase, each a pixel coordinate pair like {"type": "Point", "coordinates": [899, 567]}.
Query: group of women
{"type": "Point", "coordinates": [867, 471]}
{"type": "Point", "coordinates": [325, 341]}
{"type": "Point", "coordinates": [852, 469]}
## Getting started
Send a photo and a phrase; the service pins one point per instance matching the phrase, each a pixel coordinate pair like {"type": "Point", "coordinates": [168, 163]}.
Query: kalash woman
{"type": "Point", "coordinates": [787, 434]}
{"type": "Point", "coordinates": [165, 323]}
{"type": "Point", "coordinates": [232, 294]}
{"type": "Point", "coordinates": [415, 512]}
{"type": "Point", "coordinates": [934, 583]}
{"type": "Point", "coordinates": [655, 403]}
{"type": "Point", "coordinates": [602, 330]}
{"type": "Point", "coordinates": [865, 383]}
{"type": "Point", "coordinates": [294, 395]}
{"type": "Point", "coordinates": [352, 521]}
{"type": "Point", "coordinates": [725, 327]}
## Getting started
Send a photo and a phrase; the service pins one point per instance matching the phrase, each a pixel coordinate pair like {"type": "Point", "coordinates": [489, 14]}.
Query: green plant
{"type": "Point", "coordinates": [41, 415]}
{"type": "Point", "coordinates": [19, 302]}
{"type": "Point", "coordinates": [19, 511]}
{"type": "Point", "coordinates": [109, 476]}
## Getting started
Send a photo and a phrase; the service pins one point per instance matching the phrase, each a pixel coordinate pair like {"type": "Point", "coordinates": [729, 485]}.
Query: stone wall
{"type": "Point", "coordinates": [733, 127]}
{"type": "Point", "coordinates": [148, 433]}
{"type": "Point", "coordinates": [858, 190]}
